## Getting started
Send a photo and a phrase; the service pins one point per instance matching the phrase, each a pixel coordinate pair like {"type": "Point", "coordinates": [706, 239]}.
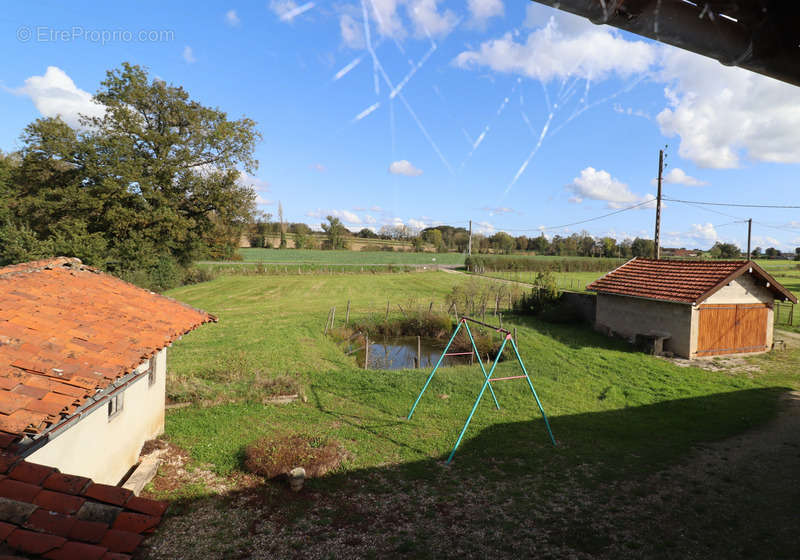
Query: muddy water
{"type": "Point", "coordinates": [401, 353]}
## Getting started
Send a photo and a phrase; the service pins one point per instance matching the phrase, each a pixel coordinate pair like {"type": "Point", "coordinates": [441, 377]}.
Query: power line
{"type": "Point", "coordinates": [732, 204]}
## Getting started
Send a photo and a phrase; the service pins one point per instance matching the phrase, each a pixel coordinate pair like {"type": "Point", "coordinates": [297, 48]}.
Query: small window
{"type": "Point", "coordinates": [151, 372]}
{"type": "Point", "coordinates": [115, 404]}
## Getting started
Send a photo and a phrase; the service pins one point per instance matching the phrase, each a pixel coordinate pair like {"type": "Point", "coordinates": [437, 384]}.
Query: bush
{"type": "Point", "coordinates": [275, 456]}
{"type": "Point", "coordinates": [542, 299]}
{"type": "Point", "coordinates": [497, 263]}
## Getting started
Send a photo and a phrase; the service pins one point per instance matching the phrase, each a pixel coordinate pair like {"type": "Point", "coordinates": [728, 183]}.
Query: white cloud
{"type": "Point", "coordinates": [721, 113]}
{"type": "Point", "coordinates": [416, 224]}
{"type": "Point", "coordinates": [600, 185]}
{"type": "Point", "coordinates": [188, 55]}
{"type": "Point", "coordinates": [346, 216]}
{"type": "Point", "coordinates": [375, 209]}
{"type": "Point", "coordinates": [485, 228]}
{"type": "Point", "coordinates": [482, 10]}
{"type": "Point", "coordinates": [404, 167]}
{"type": "Point", "coordinates": [370, 219]}
{"type": "Point", "coordinates": [55, 94]}
{"type": "Point", "coordinates": [678, 176]}
{"type": "Point", "coordinates": [260, 200]}
{"type": "Point", "coordinates": [232, 18]}
{"type": "Point", "coordinates": [593, 53]}
{"type": "Point", "coordinates": [699, 233]}
{"type": "Point", "coordinates": [287, 10]}
{"type": "Point", "coordinates": [259, 185]}
{"type": "Point", "coordinates": [428, 20]}
{"type": "Point", "coordinates": [388, 20]}
{"type": "Point", "coordinates": [498, 210]}
{"type": "Point", "coordinates": [319, 167]}
{"type": "Point", "coordinates": [352, 32]}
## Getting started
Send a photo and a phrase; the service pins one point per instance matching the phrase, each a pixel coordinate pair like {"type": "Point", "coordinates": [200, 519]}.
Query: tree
{"type": "Point", "coordinates": [522, 243]}
{"type": "Point", "coordinates": [772, 253]}
{"type": "Point", "coordinates": [154, 179]}
{"type": "Point", "coordinates": [609, 247]}
{"type": "Point", "coordinates": [725, 251]}
{"type": "Point", "coordinates": [434, 237]}
{"type": "Point", "coordinates": [797, 253]}
{"type": "Point", "coordinates": [642, 247]}
{"type": "Point", "coordinates": [756, 253]}
{"type": "Point", "coordinates": [539, 244]}
{"type": "Point", "coordinates": [282, 225]}
{"type": "Point", "coordinates": [502, 241]}
{"type": "Point", "coordinates": [367, 233]}
{"type": "Point", "coordinates": [335, 231]}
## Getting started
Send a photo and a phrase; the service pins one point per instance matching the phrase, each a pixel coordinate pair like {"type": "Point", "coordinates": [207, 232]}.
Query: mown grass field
{"type": "Point", "coordinates": [272, 326]}
{"type": "Point", "coordinates": [619, 418]}
{"type": "Point", "coordinates": [318, 256]}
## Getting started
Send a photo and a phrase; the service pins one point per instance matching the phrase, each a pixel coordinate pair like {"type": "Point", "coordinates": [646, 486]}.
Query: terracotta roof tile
{"type": "Point", "coordinates": [50, 522]}
{"type": "Point", "coordinates": [33, 542]}
{"type": "Point", "coordinates": [109, 494]}
{"type": "Point", "coordinates": [135, 522]}
{"type": "Point", "coordinates": [68, 330]}
{"type": "Point", "coordinates": [77, 551]}
{"type": "Point", "coordinates": [56, 501]}
{"type": "Point", "coordinates": [678, 281]}
{"type": "Point", "coordinates": [66, 483]}
{"type": "Point", "coordinates": [31, 472]}
{"type": "Point", "coordinates": [48, 518]}
{"type": "Point", "coordinates": [121, 541]}
{"type": "Point", "coordinates": [88, 531]}
{"type": "Point", "coordinates": [19, 491]}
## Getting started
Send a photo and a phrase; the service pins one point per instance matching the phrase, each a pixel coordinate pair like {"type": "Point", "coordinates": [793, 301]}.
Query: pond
{"type": "Point", "coordinates": [401, 353]}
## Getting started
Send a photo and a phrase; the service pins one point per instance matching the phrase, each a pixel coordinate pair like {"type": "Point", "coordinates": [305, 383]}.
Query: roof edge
{"type": "Point", "coordinates": [589, 286]}
{"type": "Point", "coordinates": [774, 285]}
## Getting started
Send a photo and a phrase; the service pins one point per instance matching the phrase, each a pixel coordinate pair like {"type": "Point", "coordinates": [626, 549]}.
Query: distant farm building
{"type": "Point", "coordinates": [82, 387]}
{"type": "Point", "coordinates": [693, 308]}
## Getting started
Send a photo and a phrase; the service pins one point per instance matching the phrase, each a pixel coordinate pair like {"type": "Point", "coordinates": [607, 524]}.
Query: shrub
{"type": "Point", "coordinates": [543, 298]}
{"type": "Point", "coordinates": [495, 263]}
{"type": "Point", "coordinates": [275, 456]}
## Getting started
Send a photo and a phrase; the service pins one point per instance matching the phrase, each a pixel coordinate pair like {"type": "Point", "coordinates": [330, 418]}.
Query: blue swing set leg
{"type": "Point", "coordinates": [486, 383]}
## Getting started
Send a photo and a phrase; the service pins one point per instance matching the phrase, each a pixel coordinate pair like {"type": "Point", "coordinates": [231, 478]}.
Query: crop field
{"type": "Point", "coordinates": [617, 415]}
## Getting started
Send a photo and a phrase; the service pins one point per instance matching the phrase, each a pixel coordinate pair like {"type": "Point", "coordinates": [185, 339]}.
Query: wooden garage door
{"type": "Point", "coordinates": [731, 329]}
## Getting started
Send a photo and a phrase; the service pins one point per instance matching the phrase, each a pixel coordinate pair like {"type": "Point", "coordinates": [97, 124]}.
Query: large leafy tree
{"type": "Point", "coordinates": [155, 177]}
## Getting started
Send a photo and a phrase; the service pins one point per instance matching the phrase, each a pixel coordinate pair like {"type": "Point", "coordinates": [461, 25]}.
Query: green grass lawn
{"type": "Point", "coordinates": [318, 256]}
{"type": "Point", "coordinates": [617, 410]}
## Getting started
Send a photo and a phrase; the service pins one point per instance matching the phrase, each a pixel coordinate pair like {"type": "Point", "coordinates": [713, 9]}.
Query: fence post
{"type": "Point", "coordinates": [347, 314]}
{"type": "Point", "coordinates": [419, 353]}
{"type": "Point", "coordinates": [366, 351]}
{"type": "Point", "coordinates": [386, 317]}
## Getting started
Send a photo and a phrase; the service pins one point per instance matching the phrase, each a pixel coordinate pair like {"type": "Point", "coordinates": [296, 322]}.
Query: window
{"type": "Point", "coordinates": [115, 404]}
{"type": "Point", "coordinates": [151, 372]}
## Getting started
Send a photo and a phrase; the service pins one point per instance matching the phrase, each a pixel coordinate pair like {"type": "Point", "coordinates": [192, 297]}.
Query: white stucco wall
{"type": "Point", "coordinates": [627, 317]}
{"type": "Point", "coordinates": [104, 448]}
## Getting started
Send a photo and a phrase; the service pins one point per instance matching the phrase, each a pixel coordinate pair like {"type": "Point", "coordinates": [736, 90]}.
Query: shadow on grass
{"type": "Point", "coordinates": [505, 477]}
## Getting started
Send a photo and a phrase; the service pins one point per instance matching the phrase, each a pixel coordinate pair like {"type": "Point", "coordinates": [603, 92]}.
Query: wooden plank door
{"type": "Point", "coordinates": [732, 329]}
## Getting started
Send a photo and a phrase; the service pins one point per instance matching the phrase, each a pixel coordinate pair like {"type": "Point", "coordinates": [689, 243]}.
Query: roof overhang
{"type": "Point", "coordinates": [778, 290]}
{"type": "Point", "coordinates": [758, 35]}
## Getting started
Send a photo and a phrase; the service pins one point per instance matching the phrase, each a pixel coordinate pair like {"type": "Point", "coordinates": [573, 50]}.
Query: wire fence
{"type": "Point", "coordinates": [785, 314]}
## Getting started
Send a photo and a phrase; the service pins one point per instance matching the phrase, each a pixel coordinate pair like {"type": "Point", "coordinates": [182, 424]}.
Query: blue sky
{"type": "Point", "coordinates": [511, 114]}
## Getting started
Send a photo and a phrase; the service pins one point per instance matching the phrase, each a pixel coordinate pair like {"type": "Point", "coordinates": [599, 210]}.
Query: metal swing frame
{"type": "Point", "coordinates": [488, 379]}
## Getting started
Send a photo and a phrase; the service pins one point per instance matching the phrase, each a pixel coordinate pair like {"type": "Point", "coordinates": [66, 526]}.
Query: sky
{"type": "Point", "coordinates": [508, 113]}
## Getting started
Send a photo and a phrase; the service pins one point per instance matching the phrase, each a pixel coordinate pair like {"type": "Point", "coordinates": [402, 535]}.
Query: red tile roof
{"type": "Point", "coordinates": [688, 282]}
{"type": "Point", "coordinates": [108, 522]}
{"type": "Point", "coordinates": [68, 331]}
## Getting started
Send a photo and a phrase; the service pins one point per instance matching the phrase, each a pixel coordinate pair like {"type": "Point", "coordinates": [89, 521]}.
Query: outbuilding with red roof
{"type": "Point", "coordinates": [697, 308]}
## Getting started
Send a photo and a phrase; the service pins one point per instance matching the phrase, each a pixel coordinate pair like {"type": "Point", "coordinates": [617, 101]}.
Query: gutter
{"type": "Point", "coordinates": [28, 445]}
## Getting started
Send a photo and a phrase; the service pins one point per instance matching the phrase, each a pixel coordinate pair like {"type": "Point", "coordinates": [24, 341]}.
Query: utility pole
{"type": "Point", "coordinates": [469, 246]}
{"type": "Point", "coordinates": [657, 240]}
{"type": "Point", "coordinates": [749, 230]}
